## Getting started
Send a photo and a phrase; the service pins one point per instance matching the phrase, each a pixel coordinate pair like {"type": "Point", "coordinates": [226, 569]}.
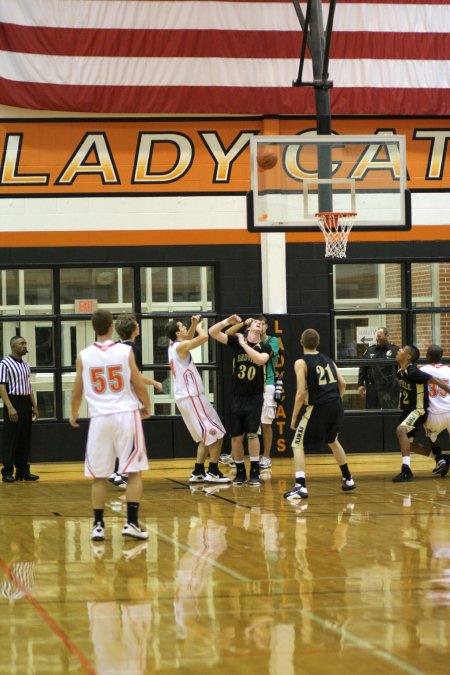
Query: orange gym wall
{"type": "Point", "coordinates": [97, 158]}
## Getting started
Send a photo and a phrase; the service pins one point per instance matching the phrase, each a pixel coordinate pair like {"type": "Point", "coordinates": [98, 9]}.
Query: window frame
{"type": "Point", "coordinates": [59, 372]}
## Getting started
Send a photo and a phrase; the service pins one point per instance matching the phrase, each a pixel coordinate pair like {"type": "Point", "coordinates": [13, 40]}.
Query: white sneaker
{"type": "Point", "coordinates": [98, 532]}
{"type": "Point", "coordinates": [197, 478]}
{"type": "Point", "coordinates": [134, 531]}
{"type": "Point", "coordinates": [227, 460]}
{"type": "Point", "coordinates": [265, 463]}
{"type": "Point", "coordinates": [348, 484]}
{"type": "Point", "coordinates": [216, 478]}
{"type": "Point", "coordinates": [298, 492]}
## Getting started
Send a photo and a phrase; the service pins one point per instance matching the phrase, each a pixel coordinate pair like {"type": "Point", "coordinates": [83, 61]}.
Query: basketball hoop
{"type": "Point", "coordinates": [335, 227]}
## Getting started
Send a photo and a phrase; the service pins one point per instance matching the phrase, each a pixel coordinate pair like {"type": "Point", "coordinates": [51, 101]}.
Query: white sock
{"type": "Point", "coordinates": [406, 460]}
{"type": "Point", "coordinates": [300, 474]}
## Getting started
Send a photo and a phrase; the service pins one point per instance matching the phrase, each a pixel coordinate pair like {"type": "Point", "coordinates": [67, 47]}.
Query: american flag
{"type": "Point", "coordinates": [223, 57]}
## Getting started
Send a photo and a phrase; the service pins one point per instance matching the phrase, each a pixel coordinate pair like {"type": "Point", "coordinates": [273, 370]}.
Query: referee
{"type": "Point", "coordinates": [18, 412]}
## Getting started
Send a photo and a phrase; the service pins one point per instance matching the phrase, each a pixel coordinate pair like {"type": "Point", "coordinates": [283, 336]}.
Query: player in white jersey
{"type": "Point", "coordinates": [117, 400]}
{"type": "Point", "coordinates": [438, 418]}
{"type": "Point", "coordinates": [201, 419]}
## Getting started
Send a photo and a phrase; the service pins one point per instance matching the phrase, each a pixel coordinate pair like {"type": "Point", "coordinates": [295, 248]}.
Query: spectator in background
{"type": "Point", "coordinates": [377, 383]}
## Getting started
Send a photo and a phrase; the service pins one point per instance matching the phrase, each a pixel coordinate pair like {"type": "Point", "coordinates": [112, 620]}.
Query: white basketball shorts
{"type": "Point", "coordinates": [202, 421]}
{"type": "Point", "coordinates": [269, 406]}
{"type": "Point", "coordinates": [435, 424]}
{"type": "Point", "coordinates": [119, 435]}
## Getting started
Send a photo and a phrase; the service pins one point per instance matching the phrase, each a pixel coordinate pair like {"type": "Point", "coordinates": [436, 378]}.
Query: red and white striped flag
{"type": "Point", "coordinates": [223, 57]}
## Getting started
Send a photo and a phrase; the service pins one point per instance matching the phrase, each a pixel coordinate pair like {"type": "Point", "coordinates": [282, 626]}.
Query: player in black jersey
{"type": "Point", "coordinates": [247, 392]}
{"type": "Point", "coordinates": [320, 388]}
{"type": "Point", "coordinates": [414, 404]}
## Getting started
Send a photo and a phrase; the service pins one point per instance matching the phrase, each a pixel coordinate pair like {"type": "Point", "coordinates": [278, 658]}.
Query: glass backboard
{"type": "Point", "coordinates": [294, 177]}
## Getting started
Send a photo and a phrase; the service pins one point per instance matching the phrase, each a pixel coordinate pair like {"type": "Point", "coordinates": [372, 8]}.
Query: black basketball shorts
{"type": "Point", "coordinates": [246, 414]}
{"type": "Point", "coordinates": [319, 424]}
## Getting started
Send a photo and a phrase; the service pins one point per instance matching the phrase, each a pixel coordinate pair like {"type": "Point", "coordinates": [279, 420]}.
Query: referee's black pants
{"type": "Point", "coordinates": [17, 436]}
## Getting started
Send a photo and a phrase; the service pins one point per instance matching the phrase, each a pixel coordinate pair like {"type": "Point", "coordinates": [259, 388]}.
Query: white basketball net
{"type": "Point", "coordinates": [335, 227]}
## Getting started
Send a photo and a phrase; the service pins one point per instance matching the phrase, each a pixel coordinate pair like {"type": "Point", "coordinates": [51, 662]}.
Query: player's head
{"type": "Point", "coordinates": [434, 353]}
{"type": "Point", "coordinates": [126, 325]}
{"type": "Point", "coordinates": [102, 322]}
{"type": "Point", "coordinates": [175, 330]}
{"type": "Point", "coordinates": [255, 327]}
{"type": "Point", "coordinates": [310, 339]}
{"type": "Point", "coordinates": [264, 324]}
{"type": "Point", "coordinates": [381, 336]}
{"type": "Point", "coordinates": [407, 354]}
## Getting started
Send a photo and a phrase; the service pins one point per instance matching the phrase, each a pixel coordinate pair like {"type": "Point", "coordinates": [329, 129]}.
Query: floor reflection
{"type": "Point", "coordinates": [230, 579]}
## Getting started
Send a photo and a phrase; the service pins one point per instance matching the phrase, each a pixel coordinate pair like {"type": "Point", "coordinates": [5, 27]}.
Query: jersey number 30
{"type": "Point", "coordinates": [107, 377]}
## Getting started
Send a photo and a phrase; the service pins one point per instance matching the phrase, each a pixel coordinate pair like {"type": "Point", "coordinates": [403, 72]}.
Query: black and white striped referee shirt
{"type": "Point", "coordinates": [16, 375]}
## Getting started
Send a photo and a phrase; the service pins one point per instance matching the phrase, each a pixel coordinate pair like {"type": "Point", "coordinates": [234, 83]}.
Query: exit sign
{"type": "Point", "coordinates": [85, 306]}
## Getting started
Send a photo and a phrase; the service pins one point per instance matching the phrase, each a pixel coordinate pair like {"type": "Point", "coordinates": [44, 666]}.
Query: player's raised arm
{"type": "Point", "coordinates": [200, 338]}
{"type": "Point", "coordinates": [233, 329]}
{"type": "Point", "coordinates": [217, 330]}
{"type": "Point", "coordinates": [195, 320]}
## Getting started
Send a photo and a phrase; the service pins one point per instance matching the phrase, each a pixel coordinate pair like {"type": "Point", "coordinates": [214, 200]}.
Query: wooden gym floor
{"type": "Point", "coordinates": [232, 580]}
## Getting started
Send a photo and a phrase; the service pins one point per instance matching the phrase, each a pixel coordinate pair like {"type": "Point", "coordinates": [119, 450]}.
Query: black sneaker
{"type": "Point", "coordinates": [240, 478]}
{"type": "Point", "coordinates": [441, 468]}
{"type": "Point", "coordinates": [254, 480]}
{"type": "Point", "coordinates": [27, 476]}
{"type": "Point", "coordinates": [8, 478]}
{"type": "Point", "coordinates": [405, 475]}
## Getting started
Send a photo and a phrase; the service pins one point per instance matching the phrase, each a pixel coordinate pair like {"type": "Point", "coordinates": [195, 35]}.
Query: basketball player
{"type": "Point", "coordinates": [414, 405]}
{"type": "Point", "coordinates": [201, 419]}
{"type": "Point", "coordinates": [438, 417]}
{"type": "Point", "coordinates": [320, 388]}
{"type": "Point", "coordinates": [270, 405]}
{"type": "Point", "coordinates": [127, 328]}
{"type": "Point", "coordinates": [247, 392]}
{"type": "Point", "coordinates": [117, 400]}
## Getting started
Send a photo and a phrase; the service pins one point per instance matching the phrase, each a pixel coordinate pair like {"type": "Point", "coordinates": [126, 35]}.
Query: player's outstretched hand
{"type": "Point", "coordinates": [196, 318]}
{"type": "Point", "coordinates": [234, 319]}
{"type": "Point", "coordinates": [145, 413]}
{"type": "Point", "coordinates": [158, 386]}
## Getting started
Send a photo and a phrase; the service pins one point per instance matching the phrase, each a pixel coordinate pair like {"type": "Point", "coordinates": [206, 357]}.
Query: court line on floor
{"type": "Point", "coordinates": [85, 663]}
{"type": "Point", "coordinates": [188, 549]}
{"type": "Point", "coordinates": [421, 499]}
{"type": "Point", "coordinates": [363, 644]}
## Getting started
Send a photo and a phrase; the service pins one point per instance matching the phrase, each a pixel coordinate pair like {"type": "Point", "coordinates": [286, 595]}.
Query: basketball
{"type": "Point", "coordinates": [266, 158]}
